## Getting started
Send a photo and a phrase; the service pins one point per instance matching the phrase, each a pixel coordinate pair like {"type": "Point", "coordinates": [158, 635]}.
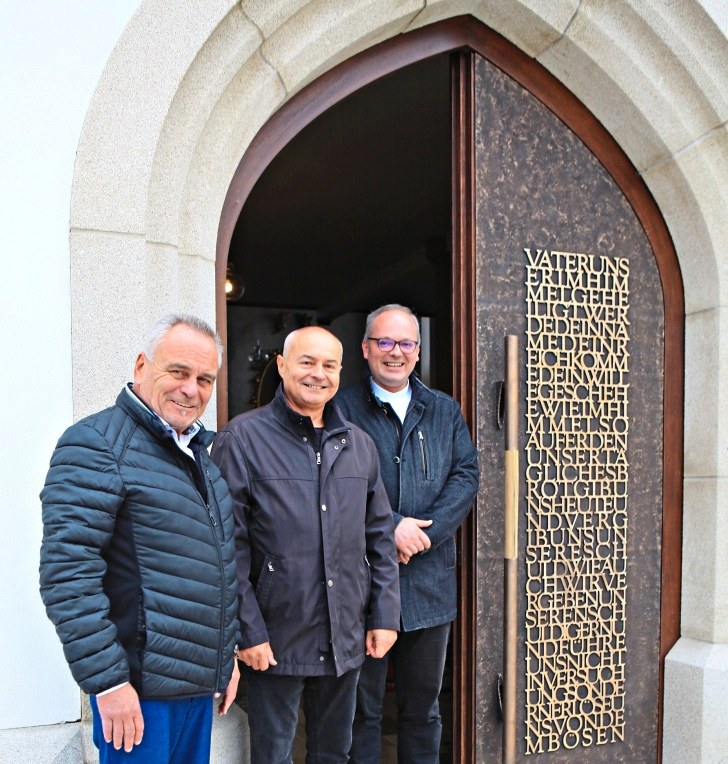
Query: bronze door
{"type": "Point", "coordinates": [545, 201]}
{"type": "Point", "coordinates": [562, 261]}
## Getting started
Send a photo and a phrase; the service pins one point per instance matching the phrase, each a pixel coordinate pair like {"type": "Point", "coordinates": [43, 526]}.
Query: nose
{"type": "Point", "coordinates": [317, 370]}
{"type": "Point", "coordinates": [189, 388]}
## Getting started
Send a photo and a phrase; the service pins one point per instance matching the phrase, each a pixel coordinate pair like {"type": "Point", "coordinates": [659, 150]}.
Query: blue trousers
{"type": "Point", "coordinates": [328, 705]}
{"type": "Point", "coordinates": [175, 732]}
{"type": "Point", "coordinates": [418, 659]}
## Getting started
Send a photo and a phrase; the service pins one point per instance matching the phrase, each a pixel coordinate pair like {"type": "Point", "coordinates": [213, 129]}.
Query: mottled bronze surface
{"type": "Point", "coordinates": [539, 188]}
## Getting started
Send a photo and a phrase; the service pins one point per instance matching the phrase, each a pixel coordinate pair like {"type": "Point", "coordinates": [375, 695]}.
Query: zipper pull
{"type": "Point", "coordinates": [422, 452]}
{"type": "Point", "coordinates": [318, 457]}
{"type": "Point", "coordinates": [270, 567]}
{"type": "Point", "coordinates": [207, 506]}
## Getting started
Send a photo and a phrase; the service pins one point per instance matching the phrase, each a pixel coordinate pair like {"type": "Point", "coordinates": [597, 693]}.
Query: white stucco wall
{"type": "Point", "coordinates": [52, 56]}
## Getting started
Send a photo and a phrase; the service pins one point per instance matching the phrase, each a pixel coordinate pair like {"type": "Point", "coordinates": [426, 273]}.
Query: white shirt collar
{"type": "Point", "coordinates": [399, 401]}
{"type": "Point", "coordinates": [183, 440]}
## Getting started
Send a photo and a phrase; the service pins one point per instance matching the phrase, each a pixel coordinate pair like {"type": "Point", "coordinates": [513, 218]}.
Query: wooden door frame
{"type": "Point", "coordinates": [464, 375]}
{"type": "Point", "coordinates": [465, 34]}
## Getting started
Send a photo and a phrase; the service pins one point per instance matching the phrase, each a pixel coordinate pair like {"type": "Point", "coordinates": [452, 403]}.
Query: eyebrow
{"type": "Point", "coordinates": [313, 358]}
{"type": "Point", "coordinates": [186, 367]}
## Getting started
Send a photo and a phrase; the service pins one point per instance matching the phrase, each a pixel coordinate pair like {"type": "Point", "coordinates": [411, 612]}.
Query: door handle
{"type": "Point", "coordinates": [509, 401]}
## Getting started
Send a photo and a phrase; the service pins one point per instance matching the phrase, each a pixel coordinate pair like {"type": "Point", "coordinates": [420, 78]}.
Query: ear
{"type": "Point", "coordinates": [365, 349]}
{"type": "Point", "coordinates": [139, 365]}
{"type": "Point", "coordinates": [281, 361]}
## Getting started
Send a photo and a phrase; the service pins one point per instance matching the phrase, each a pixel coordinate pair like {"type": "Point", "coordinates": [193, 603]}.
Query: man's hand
{"type": "Point", "coordinates": [379, 641]}
{"type": "Point", "coordinates": [121, 717]}
{"type": "Point", "coordinates": [410, 538]}
{"type": "Point", "coordinates": [258, 657]}
{"type": "Point", "coordinates": [230, 691]}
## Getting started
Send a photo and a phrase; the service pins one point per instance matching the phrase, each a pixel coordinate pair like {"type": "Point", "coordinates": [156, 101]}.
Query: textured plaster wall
{"type": "Point", "coordinates": [189, 85]}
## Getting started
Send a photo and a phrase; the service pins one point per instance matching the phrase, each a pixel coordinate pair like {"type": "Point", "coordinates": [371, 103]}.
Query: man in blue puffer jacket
{"type": "Point", "coordinates": [430, 471]}
{"type": "Point", "coordinates": [137, 563]}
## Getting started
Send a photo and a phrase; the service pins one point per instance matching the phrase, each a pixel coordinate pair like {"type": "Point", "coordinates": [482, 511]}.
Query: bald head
{"type": "Point", "coordinates": [310, 366]}
{"type": "Point", "coordinates": [311, 332]}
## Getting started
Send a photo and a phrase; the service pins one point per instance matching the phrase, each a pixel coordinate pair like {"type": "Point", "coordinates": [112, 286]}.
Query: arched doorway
{"type": "Point", "coordinates": [488, 66]}
{"type": "Point", "coordinates": [354, 212]}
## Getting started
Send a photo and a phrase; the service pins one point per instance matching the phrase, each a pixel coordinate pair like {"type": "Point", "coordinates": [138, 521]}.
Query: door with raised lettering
{"type": "Point", "coordinates": [562, 260]}
{"type": "Point", "coordinates": [556, 239]}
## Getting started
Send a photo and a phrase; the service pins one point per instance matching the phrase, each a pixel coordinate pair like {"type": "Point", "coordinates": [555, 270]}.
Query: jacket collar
{"type": "Point", "coordinates": [151, 422]}
{"type": "Point", "coordinates": [333, 421]}
{"type": "Point", "coordinates": [420, 392]}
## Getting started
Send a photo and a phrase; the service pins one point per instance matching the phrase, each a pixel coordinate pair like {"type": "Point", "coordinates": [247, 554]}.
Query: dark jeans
{"type": "Point", "coordinates": [328, 705]}
{"type": "Point", "coordinates": [175, 732]}
{"type": "Point", "coordinates": [418, 658]}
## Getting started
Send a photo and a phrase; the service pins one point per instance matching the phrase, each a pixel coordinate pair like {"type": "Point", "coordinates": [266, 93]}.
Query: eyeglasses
{"type": "Point", "coordinates": [385, 344]}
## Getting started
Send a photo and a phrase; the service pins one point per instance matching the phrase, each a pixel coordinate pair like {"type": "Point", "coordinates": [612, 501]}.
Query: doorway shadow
{"type": "Point", "coordinates": [353, 213]}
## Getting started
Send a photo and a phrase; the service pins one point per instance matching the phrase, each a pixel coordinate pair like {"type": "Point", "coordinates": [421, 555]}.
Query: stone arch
{"type": "Point", "coordinates": [188, 86]}
{"type": "Point", "coordinates": [184, 93]}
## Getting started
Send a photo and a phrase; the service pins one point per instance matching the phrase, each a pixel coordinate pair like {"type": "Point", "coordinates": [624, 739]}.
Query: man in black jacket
{"type": "Point", "coordinates": [137, 562]}
{"type": "Point", "coordinates": [430, 471]}
{"type": "Point", "coordinates": [317, 566]}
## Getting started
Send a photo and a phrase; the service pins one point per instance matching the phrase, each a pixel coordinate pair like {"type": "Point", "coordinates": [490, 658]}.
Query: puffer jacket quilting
{"type": "Point", "coordinates": [137, 575]}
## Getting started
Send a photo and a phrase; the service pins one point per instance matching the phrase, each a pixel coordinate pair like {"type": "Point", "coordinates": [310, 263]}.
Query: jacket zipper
{"type": "Point", "coordinates": [207, 506]}
{"type": "Point", "coordinates": [221, 568]}
{"type": "Point", "coordinates": [213, 522]}
{"type": "Point", "coordinates": [337, 433]}
{"type": "Point", "coordinates": [422, 452]}
{"type": "Point", "coordinates": [394, 419]}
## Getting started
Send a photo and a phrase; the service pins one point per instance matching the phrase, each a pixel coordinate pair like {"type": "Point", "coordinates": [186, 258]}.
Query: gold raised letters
{"type": "Point", "coordinates": [577, 476]}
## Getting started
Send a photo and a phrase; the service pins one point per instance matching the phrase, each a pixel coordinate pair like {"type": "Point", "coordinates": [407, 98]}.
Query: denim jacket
{"type": "Point", "coordinates": [429, 466]}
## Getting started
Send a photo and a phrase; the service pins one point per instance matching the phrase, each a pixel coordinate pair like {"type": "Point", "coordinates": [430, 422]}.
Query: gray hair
{"type": "Point", "coordinates": [165, 323]}
{"type": "Point", "coordinates": [384, 309]}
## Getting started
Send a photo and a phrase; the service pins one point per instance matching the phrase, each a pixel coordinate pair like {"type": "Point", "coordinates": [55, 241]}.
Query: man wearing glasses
{"type": "Point", "coordinates": [429, 467]}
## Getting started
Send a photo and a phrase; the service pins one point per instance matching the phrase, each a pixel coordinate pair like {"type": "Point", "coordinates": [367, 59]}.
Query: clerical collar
{"type": "Point", "coordinates": [399, 401]}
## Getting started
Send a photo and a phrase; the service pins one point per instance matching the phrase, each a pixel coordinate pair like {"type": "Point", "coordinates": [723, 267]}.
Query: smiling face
{"type": "Point", "coordinates": [177, 383]}
{"type": "Point", "coordinates": [310, 367]}
{"type": "Point", "coordinates": [391, 370]}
